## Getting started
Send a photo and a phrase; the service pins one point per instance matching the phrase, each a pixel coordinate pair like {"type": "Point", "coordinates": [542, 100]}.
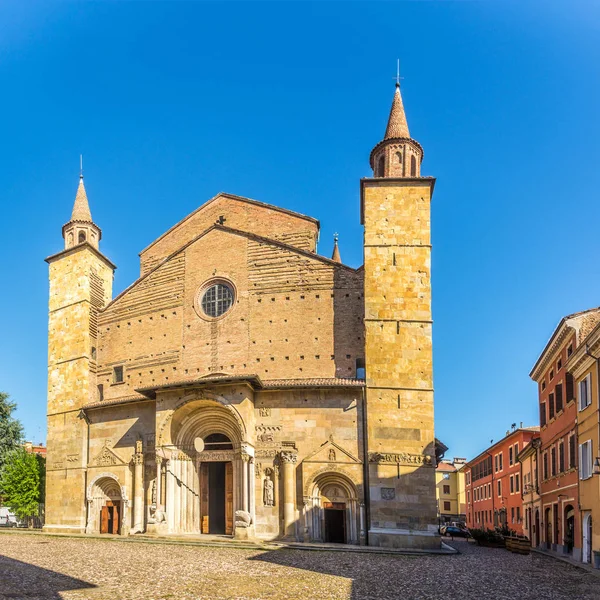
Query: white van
{"type": "Point", "coordinates": [7, 518]}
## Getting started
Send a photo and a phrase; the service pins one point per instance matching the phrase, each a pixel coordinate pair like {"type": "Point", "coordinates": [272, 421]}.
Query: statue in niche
{"type": "Point", "coordinates": [331, 454]}
{"type": "Point", "coordinates": [268, 489]}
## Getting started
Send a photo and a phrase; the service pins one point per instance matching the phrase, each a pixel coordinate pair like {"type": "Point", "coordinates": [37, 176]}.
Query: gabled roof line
{"type": "Point", "coordinates": [564, 322]}
{"type": "Point", "coordinates": [235, 232]}
{"type": "Point", "coordinates": [234, 197]}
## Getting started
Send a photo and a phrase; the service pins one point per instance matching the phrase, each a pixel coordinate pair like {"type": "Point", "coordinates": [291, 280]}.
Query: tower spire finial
{"type": "Point", "coordinates": [81, 166]}
{"type": "Point", "coordinates": [397, 126]}
{"type": "Point", "coordinates": [336, 251]}
{"type": "Point", "coordinates": [398, 78]}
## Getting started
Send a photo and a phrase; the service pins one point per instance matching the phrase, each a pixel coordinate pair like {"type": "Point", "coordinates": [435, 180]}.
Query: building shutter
{"type": "Point", "coordinates": [570, 387]}
{"type": "Point", "coordinates": [559, 397]}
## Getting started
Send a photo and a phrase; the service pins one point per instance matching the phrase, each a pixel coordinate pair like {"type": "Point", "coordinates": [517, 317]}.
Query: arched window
{"type": "Point", "coordinates": [70, 239]}
{"type": "Point", "coordinates": [81, 237]}
{"type": "Point", "coordinates": [217, 441]}
{"type": "Point", "coordinates": [381, 167]}
{"type": "Point", "coordinates": [413, 166]}
{"type": "Point", "coordinates": [399, 155]}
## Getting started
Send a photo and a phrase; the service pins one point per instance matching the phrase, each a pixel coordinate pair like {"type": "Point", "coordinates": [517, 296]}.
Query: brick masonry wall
{"type": "Point", "coordinates": [249, 216]}
{"type": "Point", "coordinates": [295, 316]}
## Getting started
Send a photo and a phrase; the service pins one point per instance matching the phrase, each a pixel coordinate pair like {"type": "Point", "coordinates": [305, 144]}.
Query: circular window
{"type": "Point", "coordinates": [217, 300]}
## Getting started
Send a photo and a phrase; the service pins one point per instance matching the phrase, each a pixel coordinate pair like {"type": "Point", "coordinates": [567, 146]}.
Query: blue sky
{"type": "Point", "coordinates": [172, 102]}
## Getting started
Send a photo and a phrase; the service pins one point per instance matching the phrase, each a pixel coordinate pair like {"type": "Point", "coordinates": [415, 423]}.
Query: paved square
{"type": "Point", "coordinates": [38, 566]}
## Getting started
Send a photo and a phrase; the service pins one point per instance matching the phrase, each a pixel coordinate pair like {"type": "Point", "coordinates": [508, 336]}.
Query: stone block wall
{"type": "Point", "coordinates": [396, 215]}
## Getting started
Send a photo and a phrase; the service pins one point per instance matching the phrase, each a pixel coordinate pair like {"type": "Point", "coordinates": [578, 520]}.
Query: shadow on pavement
{"type": "Point", "coordinates": [369, 575]}
{"type": "Point", "coordinates": [23, 580]}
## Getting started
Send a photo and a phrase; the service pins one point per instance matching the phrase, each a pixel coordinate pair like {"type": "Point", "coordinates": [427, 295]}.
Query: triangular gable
{"type": "Point", "coordinates": [331, 452]}
{"type": "Point", "coordinates": [262, 240]}
{"type": "Point", "coordinates": [106, 458]}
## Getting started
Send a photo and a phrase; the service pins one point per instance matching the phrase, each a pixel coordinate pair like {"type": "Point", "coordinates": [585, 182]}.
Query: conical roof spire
{"type": "Point", "coordinates": [81, 208]}
{"type": "Point", "coordinates": [397, 126]}
{"type": "Point", "coordinates": [336, 251]}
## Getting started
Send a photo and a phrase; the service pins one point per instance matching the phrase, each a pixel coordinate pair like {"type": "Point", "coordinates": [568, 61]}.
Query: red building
{"type": "Point", "coordinates": [559, 521]}
{"type": "Point", "coordinates": [35, 449]}
{"type": "Point", "coordinates": [493, 483]}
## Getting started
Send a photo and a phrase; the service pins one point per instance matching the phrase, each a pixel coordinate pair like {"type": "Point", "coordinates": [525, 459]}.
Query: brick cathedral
{"type": "Point", "coordinates": [245, 385]}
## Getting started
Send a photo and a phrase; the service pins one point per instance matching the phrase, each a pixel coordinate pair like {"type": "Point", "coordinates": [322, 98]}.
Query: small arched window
{"type": "Point", "coordinates": [217, 441]}
{"type": "Point", "coordinates": [381, 167]}
{"type": "Point", "coordinates": [399, 155]}
{"type": "Point", "coordinates": [81, 237]}
{"type": "Point", "coordinates": [70, 239]}
{"type": "Point", "coordinates": [413, 166]}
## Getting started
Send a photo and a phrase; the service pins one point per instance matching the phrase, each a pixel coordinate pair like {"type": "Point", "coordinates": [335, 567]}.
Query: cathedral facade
{"type": "Point", "coordinates": [245, 385]}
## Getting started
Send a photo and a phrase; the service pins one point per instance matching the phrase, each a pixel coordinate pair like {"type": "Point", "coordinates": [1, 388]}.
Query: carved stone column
{"type": "Point", "coordinates": [245, 495]}
{"type": "Point", "coordinates": [138, 489]}
{"type": "Point", "coordinates": [362, 524]}
{"type": "Point", "coordinates": [252, 490]}
{"type": "Point", "coordinates": [288, 460]}
{"type": "Point", "coordinates": [306, 517]}
{"type": "Point", "coordinates": [159, 506]}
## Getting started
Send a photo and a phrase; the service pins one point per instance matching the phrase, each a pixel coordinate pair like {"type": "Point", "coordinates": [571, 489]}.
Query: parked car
{"type": "Point", "coordinates": [452, 530]}
{"type": "Point", "coordinates": [7, 519]}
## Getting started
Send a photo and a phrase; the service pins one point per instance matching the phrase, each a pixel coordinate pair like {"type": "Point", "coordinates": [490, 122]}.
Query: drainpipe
{"type": "Point", "coordinates": [366, 488]}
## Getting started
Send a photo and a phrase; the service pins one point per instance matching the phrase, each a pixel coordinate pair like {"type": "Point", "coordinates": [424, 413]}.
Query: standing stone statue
{"type": "Point", "coordinates": [268, 492]}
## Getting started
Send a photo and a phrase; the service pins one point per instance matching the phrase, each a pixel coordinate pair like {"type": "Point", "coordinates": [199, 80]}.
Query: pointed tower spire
{"type": "Point", "coordinates": [397, 126]}
{"type": "Point", "coordinates": [397, 155]}
{"type": "Point", "coordinates": [81, 208]}
{"type": "Point", "coordinates": [336, 251]}
{"type": "Point", "coordinates": [81, 228]}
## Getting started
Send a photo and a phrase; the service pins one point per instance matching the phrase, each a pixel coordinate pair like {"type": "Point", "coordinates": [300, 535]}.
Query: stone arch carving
{"type": "Point", "coordinates": [205, 400]}
{"type": "Point", "coordinates": [329, 475]}
{"type": "Point", "coordinates": [330, 485]}
{"type": "Point", "coordinates": [103, 487]}
{"type": "Point", "coordinates": [105, 476]}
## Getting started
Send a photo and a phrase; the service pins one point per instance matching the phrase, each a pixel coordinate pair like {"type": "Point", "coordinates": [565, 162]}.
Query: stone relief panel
{"type": "Point", "coordinates": [388, 493]}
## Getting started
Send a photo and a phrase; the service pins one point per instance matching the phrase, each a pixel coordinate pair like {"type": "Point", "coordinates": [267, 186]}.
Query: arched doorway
{"type": "Point", "coordinates": [548, 524]}
{"type": "Point", "coordinates": [536, 531]}
{"type": "Point", "coordinates": [216, 488]}
{"type": "Point", "coordinates": [569, 535]}
{"type": "Point", "coordinates": [106, 506]}
{"type": "Point", "coordinates": [587, 538]}
{"type": "Point", "coordinates": [333, 509]}
{"type": "Point", "coordinates": [210, 468]}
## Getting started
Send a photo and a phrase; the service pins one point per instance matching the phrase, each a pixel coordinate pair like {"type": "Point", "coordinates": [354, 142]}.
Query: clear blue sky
{"type": "Point", "coordinates": [172, 102]}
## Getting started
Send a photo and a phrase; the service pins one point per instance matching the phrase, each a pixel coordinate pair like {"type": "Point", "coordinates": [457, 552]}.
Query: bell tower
{"type": "Point", "coordinates": [395, 212]}
{"type": "Point", "coordinates": [81, 279]}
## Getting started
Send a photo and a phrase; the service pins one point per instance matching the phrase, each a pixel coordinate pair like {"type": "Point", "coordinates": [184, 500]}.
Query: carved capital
{"type": "Point", "coordinates": [288, 457]}
{"type": "Point", "coordinates": [245, 457]}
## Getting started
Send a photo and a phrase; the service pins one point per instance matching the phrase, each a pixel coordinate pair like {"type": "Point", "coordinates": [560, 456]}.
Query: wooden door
{"type": "Point", "coordinates": [229, 498]}
{"type": "Point", "coordinates": [104, 520]}
{"type": "Point", "coordinates": [116, 517]}
{"type": "Point", "coordinates": [204, 497]}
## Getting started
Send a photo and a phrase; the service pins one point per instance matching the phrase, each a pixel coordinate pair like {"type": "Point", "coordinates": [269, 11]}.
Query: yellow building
{"type": "Point", "coordinates": [450, 491]}
{"type": "Point", "coordinates": [583, 365]}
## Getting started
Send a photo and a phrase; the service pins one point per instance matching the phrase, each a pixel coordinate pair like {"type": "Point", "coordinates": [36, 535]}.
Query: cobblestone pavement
{"type": "Point", "coordinates": [37, 566]}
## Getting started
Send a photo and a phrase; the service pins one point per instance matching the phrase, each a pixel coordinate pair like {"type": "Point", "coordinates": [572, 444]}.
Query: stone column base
{"type": "Point", "coordinates": [244, 533]}
{"type": "Point", "coordinates": [49, 528]}
{"type": "Point", "coordinates": [402, 538]}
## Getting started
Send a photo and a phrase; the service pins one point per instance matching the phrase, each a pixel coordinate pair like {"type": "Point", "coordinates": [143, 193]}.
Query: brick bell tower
{"type": "Point", "coordinates": [395, 212]}
{"type": "Point", "coordinates": [80, 284]}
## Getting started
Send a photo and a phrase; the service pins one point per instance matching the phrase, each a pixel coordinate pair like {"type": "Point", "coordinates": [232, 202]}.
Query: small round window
{"type": "Point", "coordinates": [217, 300]}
